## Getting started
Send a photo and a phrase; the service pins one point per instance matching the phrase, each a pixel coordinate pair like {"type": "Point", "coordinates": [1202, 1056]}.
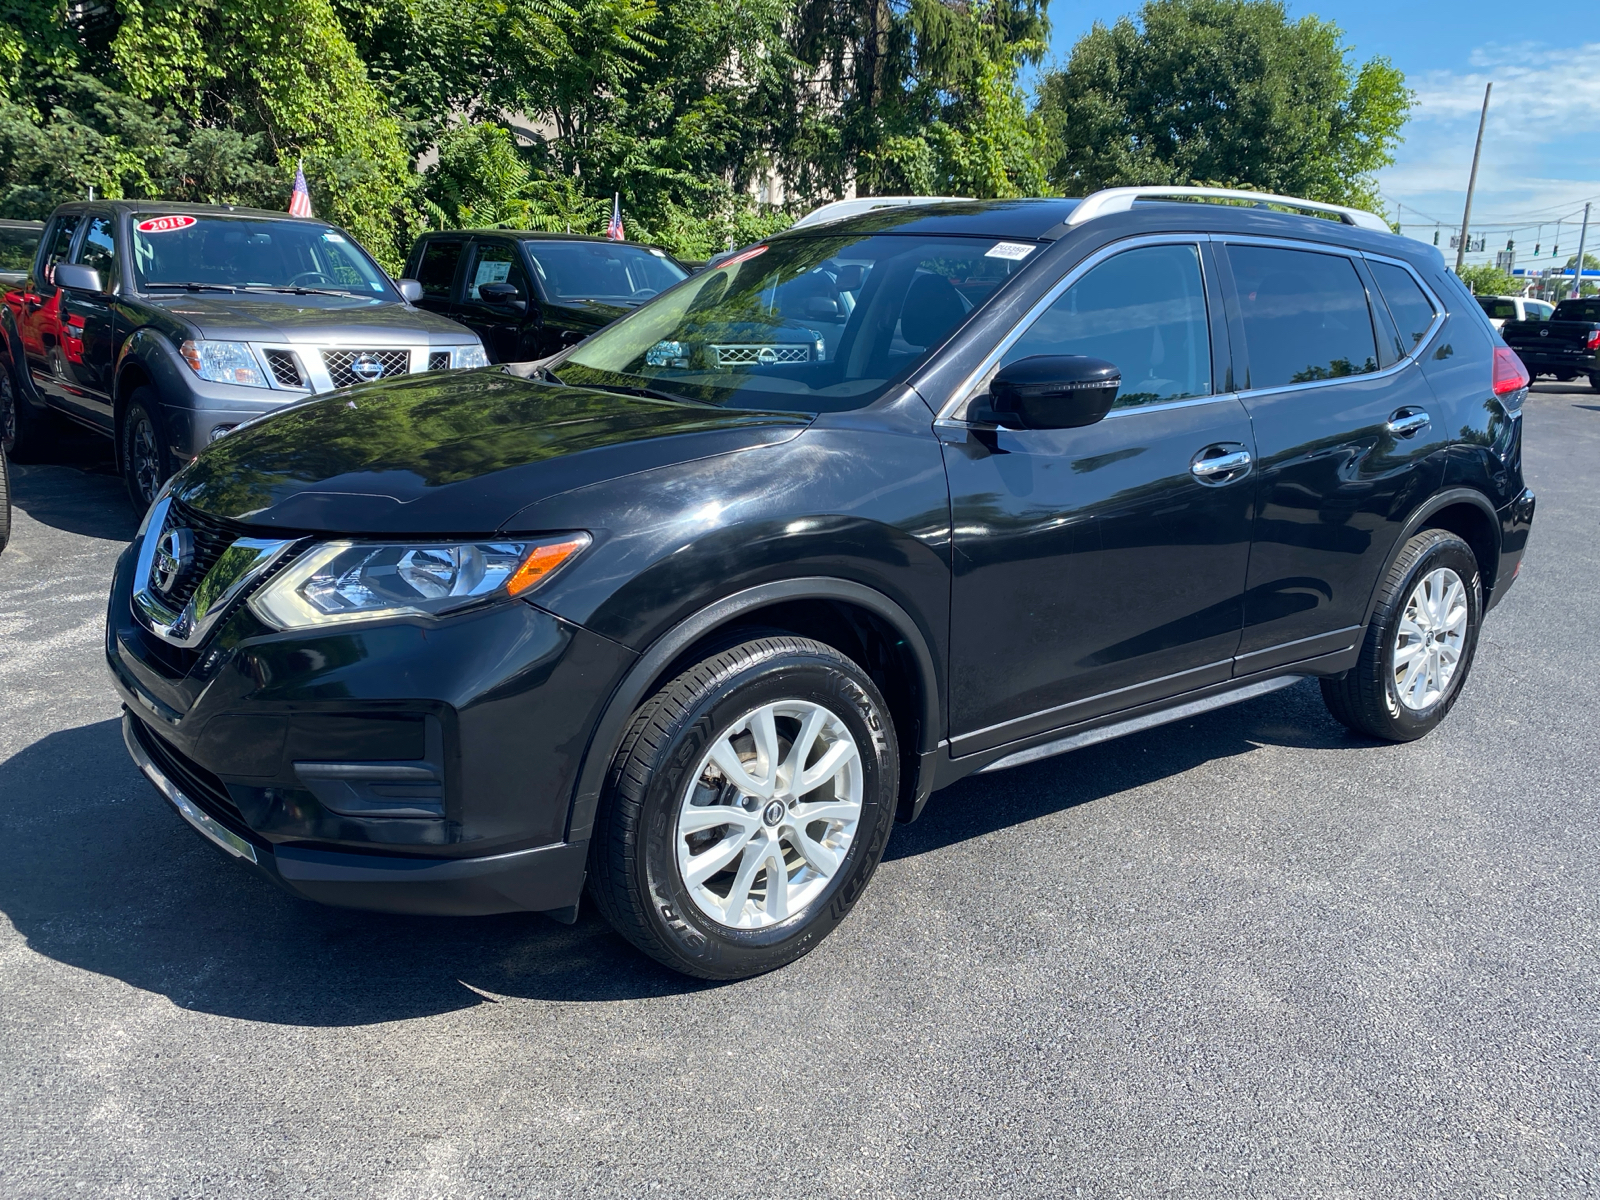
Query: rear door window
{"type": "Point", "coordinates": [1408, 304]}
{"type": "Point", "coordinates": [58, 241]}
{"type": "Point", "coordinates": [437, 270]}
{"type": "Point", "coordinates": [1145, 311]}
{"type": "Point", "coordinates": [1305, 316]}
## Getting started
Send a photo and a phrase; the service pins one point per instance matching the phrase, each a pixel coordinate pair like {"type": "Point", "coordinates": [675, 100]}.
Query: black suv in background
{"type": "Point", "coordinates": [164, 326]}
{"type": "Point", "coordinates": [693, 611]}
{"type": "Point", "coordinates": [528, 295]}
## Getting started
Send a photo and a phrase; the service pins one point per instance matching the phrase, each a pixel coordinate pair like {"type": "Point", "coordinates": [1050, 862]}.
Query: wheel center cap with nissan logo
{"type": "Point", "coordinates": [773, 812]}
{"type": "Point", "coordinates": [366, 367]}
{"type": "Point", "coordinates": [174, 556]}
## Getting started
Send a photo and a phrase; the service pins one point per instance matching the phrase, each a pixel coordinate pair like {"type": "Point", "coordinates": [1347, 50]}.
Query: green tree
{"type": "Point", "coordinates": [1486, 279]}
{"type": "Point", "coordinates": [1224, 92]}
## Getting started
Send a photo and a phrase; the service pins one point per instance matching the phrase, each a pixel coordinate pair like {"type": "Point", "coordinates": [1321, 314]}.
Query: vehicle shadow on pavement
{"type": "Point", "coordinates": [96, 872]}
{"type": "Point", "coordinates": [982, 804]}
{"type": "Point", "coordinates": [79, 492]}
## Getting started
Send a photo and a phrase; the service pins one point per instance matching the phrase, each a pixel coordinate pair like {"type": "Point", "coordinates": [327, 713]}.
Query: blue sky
{"type": "Point", "coordinates": [1541, 153]}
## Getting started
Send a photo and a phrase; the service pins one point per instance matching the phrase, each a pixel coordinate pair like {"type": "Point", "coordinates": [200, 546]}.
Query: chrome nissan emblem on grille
{"type": "Point", "coordinates": [174, 556]}
{"type": "Point", "coordinates": [1544, 333]}
{"type": "Point", "coordinates": [366, 367]}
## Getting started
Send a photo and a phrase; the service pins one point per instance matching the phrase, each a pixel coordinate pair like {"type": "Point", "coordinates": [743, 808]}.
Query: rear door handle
{"type": "Point", "coordinates": [1220, 468]}
{"type": "Point", "coordinates": [1408, 421]}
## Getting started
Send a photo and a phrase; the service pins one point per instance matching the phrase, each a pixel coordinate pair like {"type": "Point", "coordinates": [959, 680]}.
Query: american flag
{"type": "Point", "coordinates": [614, 230]}
{"type": "Point", "coordinates": [300, 198]}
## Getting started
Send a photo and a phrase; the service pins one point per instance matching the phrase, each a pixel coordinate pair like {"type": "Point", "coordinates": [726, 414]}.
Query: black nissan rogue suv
{"type": "Point", "coordinates": [689, 613]}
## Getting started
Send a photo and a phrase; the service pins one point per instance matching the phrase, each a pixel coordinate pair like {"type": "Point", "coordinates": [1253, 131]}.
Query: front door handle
{"type": "Point", "coordinates": [1408, 422]}
{"type": "Point", "coordinates": [1218, 464]}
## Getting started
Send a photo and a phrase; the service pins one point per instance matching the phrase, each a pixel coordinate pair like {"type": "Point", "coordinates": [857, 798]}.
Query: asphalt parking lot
{"type": "Point", "coordinates": [1246, 955]}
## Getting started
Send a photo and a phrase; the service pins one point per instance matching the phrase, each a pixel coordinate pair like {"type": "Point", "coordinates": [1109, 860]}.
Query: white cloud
{"type": "Point", "coordinates": [1538, 158]}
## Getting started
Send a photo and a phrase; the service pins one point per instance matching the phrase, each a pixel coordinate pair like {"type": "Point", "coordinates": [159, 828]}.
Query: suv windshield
{"type": "Point", "coordinates": [614, 273]}
{"type": "Point", "coordinates": [803, 323]}
{"type": "Point", "coordinates": [178, 250]}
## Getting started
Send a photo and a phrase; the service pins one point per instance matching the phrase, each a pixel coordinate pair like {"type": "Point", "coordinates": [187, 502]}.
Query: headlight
{"type": "Point", "coordinates": [356, 581]}
{"type": "Point", "coordinates": [468, 356]}
{"type": "Point", "coordinates": [224, 362]}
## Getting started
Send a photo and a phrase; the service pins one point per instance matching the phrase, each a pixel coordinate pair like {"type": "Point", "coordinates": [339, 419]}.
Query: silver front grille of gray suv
{"type": "Point", "coordinates": [346, 367]}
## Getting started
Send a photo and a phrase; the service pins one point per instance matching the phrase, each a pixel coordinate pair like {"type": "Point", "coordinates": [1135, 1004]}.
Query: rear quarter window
{"type": "Point", "coordinates": [1408, 304]}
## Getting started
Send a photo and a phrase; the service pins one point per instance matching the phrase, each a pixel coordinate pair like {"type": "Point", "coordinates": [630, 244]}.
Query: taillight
{"type": "Point", "coordinates": [1593, 340]}
{"type": "Point", "coordinates": [1509, 373]}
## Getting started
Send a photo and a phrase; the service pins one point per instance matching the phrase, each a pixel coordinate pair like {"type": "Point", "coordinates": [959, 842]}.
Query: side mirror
{"type": "Point", "coordinates": [77, 278]}
{"type": "Point", "coordinates": [1053, 391]}
{"type": "Point", "coordinates": [499, 293]}
{"type": "Point", "coordinates": [410, 291]}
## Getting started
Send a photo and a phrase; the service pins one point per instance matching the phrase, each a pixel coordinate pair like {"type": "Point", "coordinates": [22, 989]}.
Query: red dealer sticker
{"type": "Point", "coordinates": [165, 224]}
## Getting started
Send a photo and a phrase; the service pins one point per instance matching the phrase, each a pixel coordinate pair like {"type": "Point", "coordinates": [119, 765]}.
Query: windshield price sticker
{"type": "Point", "coordinates": [1012, 250]}
{"type": "Point", "coordinates": [334, 238]}
{"type": "Point", "coordinates": [165, 224]}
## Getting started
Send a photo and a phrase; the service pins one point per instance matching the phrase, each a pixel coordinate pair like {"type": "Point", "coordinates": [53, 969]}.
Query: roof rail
{"type": "Point", "coordinates": [841, 209]}
{"type": "Point", "coordinates": [1115, 200]}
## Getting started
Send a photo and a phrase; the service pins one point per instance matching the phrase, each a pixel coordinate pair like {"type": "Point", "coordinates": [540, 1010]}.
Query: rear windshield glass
{"type": "Point", "coordinates": [802, 324]}
{"type": "Point", "coordinates": [1579, 310]}
{"type": "Point", "coordinates": [616, 274]}
{"type": "Point", "coordinates": [17, 247]}
{"type": "Point", "coordinates": [175, 252]}
{"type": "Point", "coordinates": [1500, 310]}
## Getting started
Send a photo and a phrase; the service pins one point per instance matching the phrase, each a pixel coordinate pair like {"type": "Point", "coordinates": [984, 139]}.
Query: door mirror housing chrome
{"type": "Point", "coordinates": [1051, 391]}
{"type": "Point", "coordinates": [410, 291]}
{"type": "Point", "coordinates": [77, 278]}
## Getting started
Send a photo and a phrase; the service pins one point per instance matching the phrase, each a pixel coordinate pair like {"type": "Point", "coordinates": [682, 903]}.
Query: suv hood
{"type": "Point", "coordinates": [271, 317]}
{"type": "Point", "coordinates": [457, 453]}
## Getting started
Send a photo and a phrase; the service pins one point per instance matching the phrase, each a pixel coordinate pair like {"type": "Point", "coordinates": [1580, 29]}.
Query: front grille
{"type": "Point", "coordinates": [752, 354]}
{"type": "Point", "coordinates": [346, 367]}
{"type": "Point", "coordinates": [285, 368]}
{"type": "Point", "coordinates": [193, 780]}
{"type": "Point", "coordinates": [439, 360]}
{"type": "Point", "coordinates": [211, 538]}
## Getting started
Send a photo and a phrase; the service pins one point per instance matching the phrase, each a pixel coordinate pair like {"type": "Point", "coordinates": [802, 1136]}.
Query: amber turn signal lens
{"type": "Point", "coordinates": [542, 560]}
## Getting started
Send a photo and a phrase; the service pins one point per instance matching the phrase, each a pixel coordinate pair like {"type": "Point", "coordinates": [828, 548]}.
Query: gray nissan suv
{"type": "Point", "coordinates": [165, 326]}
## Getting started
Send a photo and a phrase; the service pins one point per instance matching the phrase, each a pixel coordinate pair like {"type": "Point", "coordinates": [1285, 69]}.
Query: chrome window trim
{"type": "Point", "coordinates": [1440, 315]}
{"type": "Point", "coordinates": [968, 388]}
{"type": "Point", "coordinates": [235, 569]}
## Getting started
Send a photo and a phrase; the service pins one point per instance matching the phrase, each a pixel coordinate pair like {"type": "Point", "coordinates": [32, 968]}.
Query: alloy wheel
{"type": "Point", "coordinates": [144, 457]}
{"type": "Point", "coordinates": [1430, 638]}
{"type": "Point", "coordinates": [770, 814]}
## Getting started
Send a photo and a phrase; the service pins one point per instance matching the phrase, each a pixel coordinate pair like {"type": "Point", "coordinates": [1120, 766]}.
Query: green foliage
{"type": "Point", "coordinates": [1228, 92]}
{"type": "Point", "coordinates": [1487, 279]}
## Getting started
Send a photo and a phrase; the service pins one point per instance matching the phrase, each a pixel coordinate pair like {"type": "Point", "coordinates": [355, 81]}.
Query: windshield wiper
{"type": "Point", "coordinates": [296, 291]}
{"type": "Point", "coordinates": [623, 389]}
{"type": "Point", "coordinates": [196, 287]}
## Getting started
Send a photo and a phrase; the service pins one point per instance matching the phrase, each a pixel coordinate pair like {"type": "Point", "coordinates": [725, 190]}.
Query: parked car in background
{"type": "Point", "coordinates": [1565, 346]}
{"type": "Point", "coordinates": [692, 629]}
{"type": "Point", "coordinates": [19, 240]}
{"type": "Point", "coordinates": [165, 326]}
{"type": "Point", "coordinates": [1500, 309]}
{"type": "Point", "coordinates": [528, 295]}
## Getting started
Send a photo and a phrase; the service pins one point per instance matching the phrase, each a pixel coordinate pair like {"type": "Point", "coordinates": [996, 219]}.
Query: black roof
{"type": "Point", "coordinates": [159, 207]}
{"type": "Point", "coordinates": [36, 226]}
{"type": "Point", "coordinates": [536, 235]}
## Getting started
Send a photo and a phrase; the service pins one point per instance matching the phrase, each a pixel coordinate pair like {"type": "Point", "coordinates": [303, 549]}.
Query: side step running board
{"type": "Point", "coordinates": [1117, 729]}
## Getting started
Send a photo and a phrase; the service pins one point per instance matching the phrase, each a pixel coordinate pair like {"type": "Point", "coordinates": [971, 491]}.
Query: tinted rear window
{"type": "Point", "coordinates": [1500, 310]}
{"type": "Point", "coordinates": [1578, 310]}
{"type": "Point", "coordinates": [1408, 304]}
{"type": "Point", "coordinates": [17, 247]}
{"type": "Point", "coordinates": [437, 270]}
{"type": "Point", "coordinates": [1305, 316]}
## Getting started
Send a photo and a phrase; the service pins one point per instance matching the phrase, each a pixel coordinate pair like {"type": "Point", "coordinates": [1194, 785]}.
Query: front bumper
{"type": "Point", "coordinates": [403, 766]}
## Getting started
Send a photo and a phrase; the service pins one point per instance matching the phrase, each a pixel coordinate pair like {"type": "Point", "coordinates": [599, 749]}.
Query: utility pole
{"type": "Point", "coordinates": [1577, 272]}
{"type": "Point", "coordinates": [1466, 213]}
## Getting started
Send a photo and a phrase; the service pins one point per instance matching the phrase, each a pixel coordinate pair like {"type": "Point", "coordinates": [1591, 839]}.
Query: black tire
{"type": "Point", "coordinates": [26, 434]}
{"type": "Point", "coordinates": [5, 502]}
{"type": "Point", "coordinates": [634, 874]}
{"type": "Point", "coordinates": [1368, 698]}
{"type": "Point", "coordinates": [142, 449]}
{"type": "Point", "coordinates": [1565, 376]}
{"type": "Point", "coordinates": [1594, 380]}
